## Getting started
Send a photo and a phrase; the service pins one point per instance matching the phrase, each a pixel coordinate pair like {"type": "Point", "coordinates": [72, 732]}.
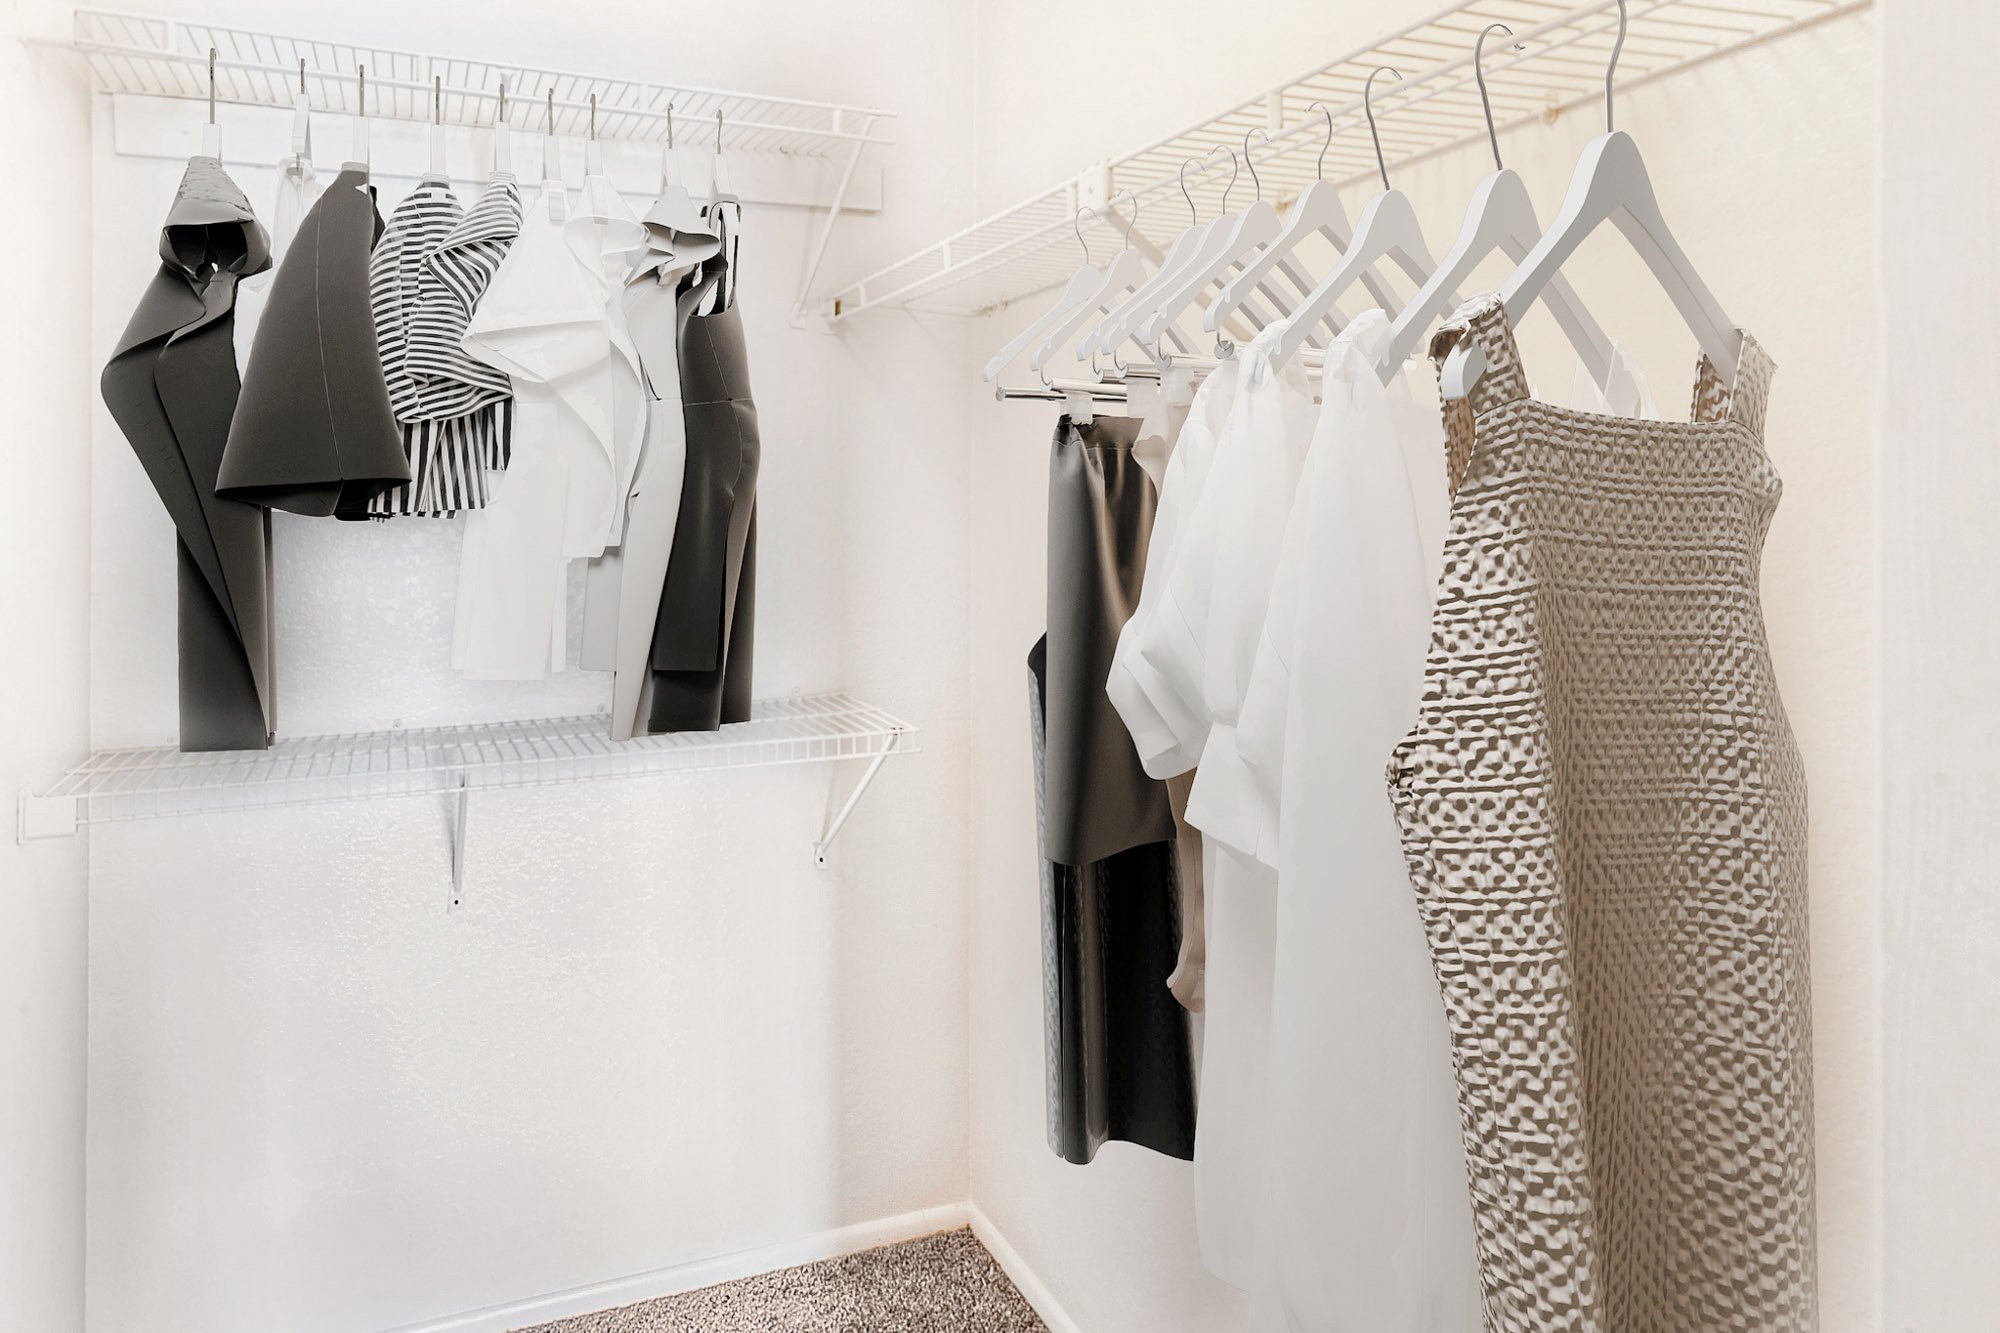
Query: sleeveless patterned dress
{"type": "Point", "coordinates": [1604, 815]}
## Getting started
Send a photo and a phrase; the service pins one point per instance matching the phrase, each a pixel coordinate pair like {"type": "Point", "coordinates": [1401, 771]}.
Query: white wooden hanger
{"type": "Point", "coordinates": [1125, 272]}
{"type": "Point", "coordinates": [593, 156]}
{"type": "Point", "coordinates": [718, 174]}
{"type": "Point", "coordinates": [1125, 320]}
{"type": "Point", "coordinates": [556, 199]}
{"type": "Point", "coordinates": [437, 125]}
{"type": "Point", "coordinates": [302, 135]}
{"type": "Point", "coordinates": [1610, 184]}
{"type": "Point", "coordinates": [211, 133]}
{"type": "Point", "coordinates": [1082, 283]}
{"type": "Point", "coordinates": [360, 150]}
{"type": "Point", "coordinates": [1230, 247]}
{"type": "Point", "coordinates": [1388, 230]}
{"type": "Point", "coordinates": [1501, 217]}
{"type": "Point", "coordinates": [503, 147]}
{"type": "Point", "coordinates": [1316, 210]}
{"type": "Point", "coordinates": [676, 207]}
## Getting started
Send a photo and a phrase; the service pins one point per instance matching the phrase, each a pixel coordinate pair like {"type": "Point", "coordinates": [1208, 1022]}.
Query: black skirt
{"type": "Point", "coordinates": [1119, 1061]}
{"type": "Point", "coordinates": [704, 635]}
{"type": "Point", "coordinates": [314, 432]}
{"type": "Point", "coordinates": [1120, 1064]}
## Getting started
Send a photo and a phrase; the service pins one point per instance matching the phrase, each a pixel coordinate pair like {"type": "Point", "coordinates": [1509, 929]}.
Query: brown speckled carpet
{"type": "Point", "coordinates": [945, 1283]}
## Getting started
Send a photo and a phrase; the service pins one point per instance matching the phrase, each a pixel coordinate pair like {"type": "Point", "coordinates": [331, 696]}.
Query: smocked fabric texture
{"type": "Point", "coordinates": [1604, 816]}
{"type": "Point", "coordinates": [314, 432]}
{"type": "Point", "coordinates": [172, 387]}
{"type": "Point", "coordinates": [1118, 1056]}
{"type": "Point", "coordinates": [704, 637]}
{"type": "Point", "coordinates": [456, 413]}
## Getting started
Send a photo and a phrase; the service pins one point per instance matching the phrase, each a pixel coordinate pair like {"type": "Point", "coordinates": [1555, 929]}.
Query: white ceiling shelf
{"type": "Point", "coordinates": [1032, 246]}
{"type": "Point", "coordinates": [161, 57]}
{"type": "Point", "coordinates": [114, 785]}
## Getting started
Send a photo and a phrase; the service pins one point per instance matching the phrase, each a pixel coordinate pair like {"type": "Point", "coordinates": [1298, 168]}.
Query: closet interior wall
{"type": "Point", "coordinates": [1941, 637]}
{"type": "Point", "coordinates": [48, 384]}
{"type": "Point", "coordinates": [1761, 159]}
{"type": "Point", "coordinates": [655, 1033]}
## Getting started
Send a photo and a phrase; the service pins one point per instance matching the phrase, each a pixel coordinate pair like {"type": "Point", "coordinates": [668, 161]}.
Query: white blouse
{"type": "Point", "coordinates": [1166, 730]}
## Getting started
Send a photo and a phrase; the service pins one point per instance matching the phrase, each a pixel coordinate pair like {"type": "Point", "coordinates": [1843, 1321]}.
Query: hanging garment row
{"type": "Point", "coordinates": [569, 377]}
{"type": "Point", "coordinates": [1497, 823]}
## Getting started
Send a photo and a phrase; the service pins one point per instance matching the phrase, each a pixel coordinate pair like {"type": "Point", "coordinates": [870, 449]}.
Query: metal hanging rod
{"type": "Point", "coordinates": [161, 57]}
{"type": "Point", "coordinates": [1559, 63]}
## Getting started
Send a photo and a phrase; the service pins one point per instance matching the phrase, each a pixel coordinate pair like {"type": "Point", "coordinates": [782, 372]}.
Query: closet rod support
{"type": "Point", "coordinates": [460, 799]}
{"type": "Point", "coordinates": [44, 816]}
{"type": "Point", "coordinates": [800, 304]}
{"type": "Point", "coordinates": [853, 799]}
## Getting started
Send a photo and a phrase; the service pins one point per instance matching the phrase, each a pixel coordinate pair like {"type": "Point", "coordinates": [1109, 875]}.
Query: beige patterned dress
{"type": "Point", "coordinates": [1604, 815]}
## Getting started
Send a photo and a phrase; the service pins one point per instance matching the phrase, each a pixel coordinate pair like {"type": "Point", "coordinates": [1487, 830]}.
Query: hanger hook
{"type": "Point", "coordinates": [1319, 169]}
{"type": "Point", "coordinates": [1368, 105]}
{"type": "Point", "coordinates": [501, 117]}
{"type": "Point", "coordinates": [361, 85]}
{"type": "Point", "coordinates": [1235, 164]}
{"type": "Point", "coordinates": [552, 113]}
{"type": "Point", "coordinates": [1479, 73]}
{"type": "Point", "coordinates": [718, 132]}
{"type": "Point", "coordinates": [1131, 221]}
{"type": "Point", "coordinates": [1194, 218]}
{"type": "Point", "coordinates": [1612, 68]}
{"type": "Point", "coordinates": [670, 127]}
{"type": "Point", "coordinates": [1076, 225]}
{"type": "Point", "coordinates": [437, 99]}
{"type": "Point", "coordinates": [593, 115]}
{"type": "Point", "coordinates": [211, 85]}
{"type": "Point", "coordinates": [1254, 180]}
{"type": "Point", "coordinates": [302, 77]}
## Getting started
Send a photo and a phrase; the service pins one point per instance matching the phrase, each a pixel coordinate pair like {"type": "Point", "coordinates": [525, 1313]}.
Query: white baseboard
{"type": "Point", "coordinates": [707, 1272]}
{"type": "Point", "coordinates": [1023, 1277]}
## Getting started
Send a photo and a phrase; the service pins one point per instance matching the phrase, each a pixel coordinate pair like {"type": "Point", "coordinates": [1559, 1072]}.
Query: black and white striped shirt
{"type": "Point", "coordinates": [429, 271]}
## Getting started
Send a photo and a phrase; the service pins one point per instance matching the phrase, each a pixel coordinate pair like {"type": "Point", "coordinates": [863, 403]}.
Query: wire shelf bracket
{"type": "Point", "coordinates": [1564, 47]}
{"type": "Point", "coordinates": [453, 762]}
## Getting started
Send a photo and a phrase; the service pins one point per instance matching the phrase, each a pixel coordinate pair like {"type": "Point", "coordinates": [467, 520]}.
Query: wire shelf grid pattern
{"type": "Point", "coordinates": [427, 761]}
{"type": "Point", "coordinates": [159, 57]}
{"type": "Point", "coordinates": [1564, 47]}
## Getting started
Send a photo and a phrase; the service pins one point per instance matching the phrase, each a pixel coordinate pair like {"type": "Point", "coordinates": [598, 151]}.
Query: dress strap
{"type": "Point", "coordinates": [1484, 320]}
{"type": "Point", "coordinates": [1745, 402]}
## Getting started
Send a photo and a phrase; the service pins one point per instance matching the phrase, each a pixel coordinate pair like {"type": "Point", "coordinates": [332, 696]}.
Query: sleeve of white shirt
{"type": "Point", "coordinates": [1236, 793]}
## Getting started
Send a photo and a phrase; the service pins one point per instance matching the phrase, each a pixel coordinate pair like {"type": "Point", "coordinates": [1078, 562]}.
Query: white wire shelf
{"type": "Point", "coordinates": [161, 57]}
{"type": "Point", "coordinates": [1566, 45]}
{"type": "Point", "coordinates": [117, 785]}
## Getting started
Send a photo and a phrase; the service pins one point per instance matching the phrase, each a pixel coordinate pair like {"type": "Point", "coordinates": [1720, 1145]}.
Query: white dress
{"type": "Point", "coordinates": [1215, 592]}
{"type": "Point", "coordinates": [1367, 1225]}
{"type": "Point", "coordinates": [607, 239]}
{"type": "Point", "coordinates": [543, 322]}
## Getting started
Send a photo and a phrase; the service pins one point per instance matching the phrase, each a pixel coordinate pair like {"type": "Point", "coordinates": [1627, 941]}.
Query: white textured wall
{"type": "Point", "coordinates": [1761, 161]}
{"type": "Point", "coordinates": [656, 1033]}
{"type": "Point", "coordinates": [1940, 341]}
{"type": "Point", "coordinates": [45, 381]}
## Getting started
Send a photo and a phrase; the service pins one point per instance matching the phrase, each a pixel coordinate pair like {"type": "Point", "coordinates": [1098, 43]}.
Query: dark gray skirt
{"type": "Point", "coordinates": [1120, 1064]}
{"type": "Point", "coordinates": [1119, 1061]}
{"type": "Point", "coordinates": [314, 432]}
